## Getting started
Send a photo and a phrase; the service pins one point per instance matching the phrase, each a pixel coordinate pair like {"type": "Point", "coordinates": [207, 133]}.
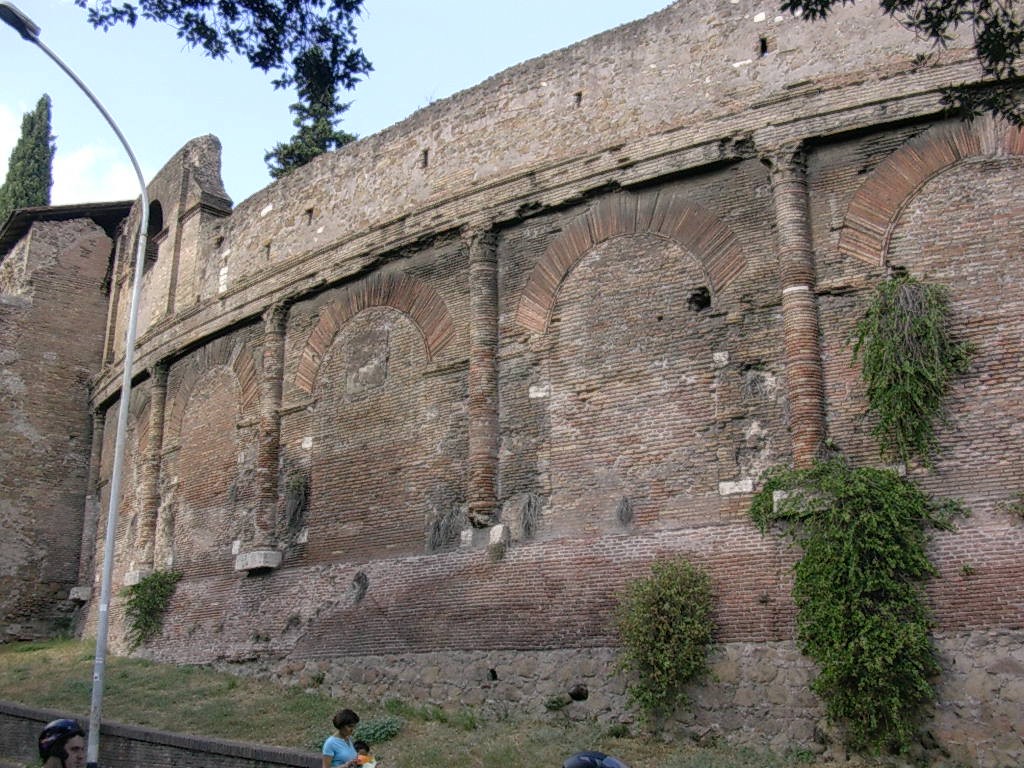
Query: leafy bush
{"type": "Point", "coordinates": [908, 361]}
{"type": "Point", "coordinates": [665, 624]}
{"type": "Point", "coordinates": [146, 603]}
{"type": "Point", "coordinates": [858, 590]}
{"type": "Point", "coordinates": [379, 729]}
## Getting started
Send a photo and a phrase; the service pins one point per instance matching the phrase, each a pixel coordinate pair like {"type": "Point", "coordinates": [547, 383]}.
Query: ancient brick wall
{"type": "Point", "coordinates": [50, 346]}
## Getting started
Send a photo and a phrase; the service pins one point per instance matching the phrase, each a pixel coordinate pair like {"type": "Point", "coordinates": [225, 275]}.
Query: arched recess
{"type": "Point", "coordinates": [671, 216]}
{"type": "Point", "coordinates": [221, 352]}
{"type": "Point", "coordinates": [421, 303]}
{"type": "Point", "coordinates": [876, 206]}
{"type": "Point", "coordinates": [153, 233]}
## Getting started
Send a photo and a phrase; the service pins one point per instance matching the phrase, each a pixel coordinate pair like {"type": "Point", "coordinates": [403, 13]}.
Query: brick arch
{"type": "Point", "coordinates": [222, 352]}
{"type": "Point", "coordinates": [671, 216]}
{"type": "Point", "coordinates": [417, 300]}
{"type": "Point", "coordinates": [876, 206]}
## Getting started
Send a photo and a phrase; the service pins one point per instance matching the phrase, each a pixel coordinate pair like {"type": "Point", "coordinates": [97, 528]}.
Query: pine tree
{"type": "Point", "coordinates": [30, 169]}
{"type": "Point", "coordinates": [316, 115]}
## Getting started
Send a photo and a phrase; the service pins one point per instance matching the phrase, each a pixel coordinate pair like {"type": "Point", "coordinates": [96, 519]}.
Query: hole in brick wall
{"type": "Point", "coordinates": [218, 243]}
{"type": "Point", "coordinates": [577, 98]}
{"type": "Point", "coordinates": [266, 250]}
{"type": "Point", "coordinates": [296, 501]}
{"type": "Point", "coordinates": [309, 215]}
{"type": "Point", "coordinates": [660, 318]}
{"type": "Point", "coordinates": [895, 270]}
{"type": "Point", "coordinates": [492, 674]}
{"type": "Point", "coordinates": [424, 158]}
{"type": "Point", "coordinates": [763, 46]}
{"type": "Point", "coordinates": [579, 692]}
{"type": "Point", "coordinates": [699, 299]}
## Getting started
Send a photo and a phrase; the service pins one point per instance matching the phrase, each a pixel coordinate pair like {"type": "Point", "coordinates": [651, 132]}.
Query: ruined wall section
{"type": "Point", "coordinates": [187, 203]}
{"type": "Point", "coordinates": [670, 288]}
{"type": "Point", "coordinates": [50, 347]}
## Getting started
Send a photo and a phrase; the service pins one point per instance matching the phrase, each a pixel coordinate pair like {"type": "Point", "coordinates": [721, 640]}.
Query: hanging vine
{"type": "Point", "coordinates": [908, 361]}
{"type": "Point", "coordinates": [146, 603]}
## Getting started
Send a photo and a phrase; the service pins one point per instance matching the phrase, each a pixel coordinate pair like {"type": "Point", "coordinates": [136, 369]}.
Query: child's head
{"type": "Point", "coordinates": [361, 747]}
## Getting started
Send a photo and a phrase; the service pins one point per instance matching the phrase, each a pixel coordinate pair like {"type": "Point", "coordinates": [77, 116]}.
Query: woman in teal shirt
{"type": "Point", "coordinates": [338, 751]}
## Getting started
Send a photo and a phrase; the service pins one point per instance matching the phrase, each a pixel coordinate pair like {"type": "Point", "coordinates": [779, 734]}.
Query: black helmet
{"type": "Point", "coordinates": [593, 760]}
{"type": "Point", "coordinates": [55, 735]}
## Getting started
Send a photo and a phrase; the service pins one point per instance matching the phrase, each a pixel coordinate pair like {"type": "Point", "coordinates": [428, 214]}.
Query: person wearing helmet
{"type": "Point", "coordinates": [593, 760]}
{"type": "Point", "coordinates": [62, 744]}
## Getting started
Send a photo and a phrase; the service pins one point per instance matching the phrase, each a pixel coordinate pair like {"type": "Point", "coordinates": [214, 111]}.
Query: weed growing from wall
{"type": "Point", "coordinates": [858, 589]}
{"type": "Point", "coordinates": [146, 603]}
{"type": "Point", "coordinates": [908, 360]}
{"type": "Point", "coordinates": [665, 623]}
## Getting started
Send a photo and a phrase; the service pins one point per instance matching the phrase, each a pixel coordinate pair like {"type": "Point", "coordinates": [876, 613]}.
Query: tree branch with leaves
{"type": "Point", "coordinates": [996, 26]}
{"type": "Point", "coordinates": [309, 44]}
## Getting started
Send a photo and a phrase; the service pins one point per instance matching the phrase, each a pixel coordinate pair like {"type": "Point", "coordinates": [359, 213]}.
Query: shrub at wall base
{"type": "Point", "coordinates": [665, 622]}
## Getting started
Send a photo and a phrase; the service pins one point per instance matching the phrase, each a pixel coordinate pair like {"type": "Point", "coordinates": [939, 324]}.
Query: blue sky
{"type": "Point", "coordinates": [161, 93]}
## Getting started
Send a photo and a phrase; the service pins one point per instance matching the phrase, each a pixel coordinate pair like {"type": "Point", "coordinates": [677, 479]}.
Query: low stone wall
{"type": "Point", "coordinates": [759, 693]}
{"type": "Point", "coordinates": [129, 746]}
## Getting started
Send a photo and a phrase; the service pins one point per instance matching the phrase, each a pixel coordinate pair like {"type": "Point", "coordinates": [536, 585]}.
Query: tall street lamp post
{"type": "Point", "coordinates": [29, 30]}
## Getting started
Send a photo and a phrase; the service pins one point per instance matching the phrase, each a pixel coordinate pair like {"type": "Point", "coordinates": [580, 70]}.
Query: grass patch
{"type": "Point", "coordinates": [197, 700]}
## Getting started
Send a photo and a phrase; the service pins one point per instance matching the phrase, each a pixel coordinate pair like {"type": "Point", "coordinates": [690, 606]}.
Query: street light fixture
{"type": "Point", "coordinates": [29, 30]}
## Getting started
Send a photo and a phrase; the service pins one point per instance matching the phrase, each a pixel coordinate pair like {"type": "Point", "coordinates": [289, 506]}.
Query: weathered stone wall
{"type": "Point", "coordinates": [436, 398]}
{"type": "Point", "coordinates": [756, 694]}
{"type": "Point", "coordinates": [51, 338]}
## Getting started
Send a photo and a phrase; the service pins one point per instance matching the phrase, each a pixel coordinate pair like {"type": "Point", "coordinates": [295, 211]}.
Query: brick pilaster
{"type": "Point", "coordinates": [149, 495]}
{"type": "Point", "coordinates": [804, 376]}
{"type": "Point", "coordinates": [483, 375]}
{"type": "Point", "coordinates": [268, 456]}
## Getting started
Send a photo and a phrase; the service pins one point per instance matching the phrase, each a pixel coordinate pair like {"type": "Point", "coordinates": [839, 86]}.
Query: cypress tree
{"type": "Point", "coordinates": [30, 169]}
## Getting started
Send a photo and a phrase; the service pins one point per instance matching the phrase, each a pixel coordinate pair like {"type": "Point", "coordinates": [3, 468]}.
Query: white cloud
{"type": "Point", "coordinates": [10, 129]}
{"type": "Point", "coordinates": [92, 174]}
{"type": "Point", "coordinates": [89, 174]}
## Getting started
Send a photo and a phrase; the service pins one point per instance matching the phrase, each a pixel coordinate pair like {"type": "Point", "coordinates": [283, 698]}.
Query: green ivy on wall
{"type": "Point", "coordinates": [146, 603]}
{"type": "Point", "coordinates": [908, 360]}
{"type": "Point", "coordinates": [858, 589]}
{"type": "Point", "coordinates": [665, 623]}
